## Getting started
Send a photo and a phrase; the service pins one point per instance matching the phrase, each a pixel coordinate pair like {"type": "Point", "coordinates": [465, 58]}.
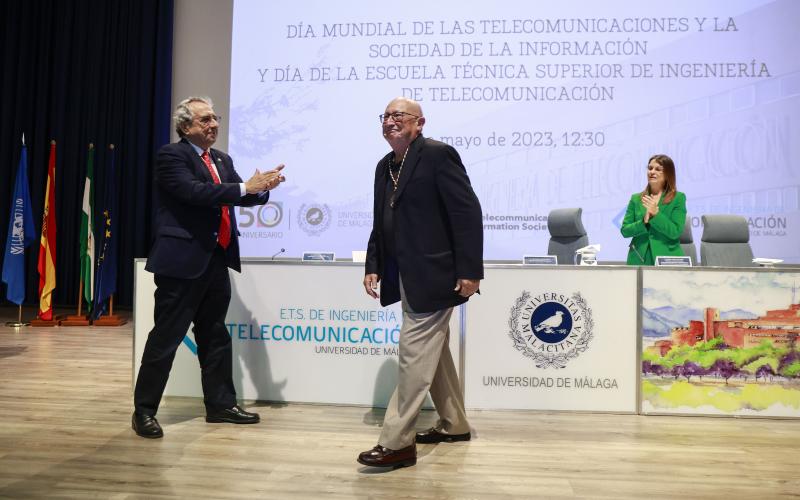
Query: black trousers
{"type": "Point", "coordinates": [179, 303]}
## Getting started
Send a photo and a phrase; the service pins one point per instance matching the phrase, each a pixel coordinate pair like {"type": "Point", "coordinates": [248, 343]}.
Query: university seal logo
{"type": "Point", "coordinates": [551, 328]}
{"type": "Point", "coordinates": [314, 219]}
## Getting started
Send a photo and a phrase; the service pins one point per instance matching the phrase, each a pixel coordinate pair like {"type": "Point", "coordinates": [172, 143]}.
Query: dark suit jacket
{"type": "Point", "coordinates": [438, 228]}
{"type": "Point", "coordinates": [187, 211]}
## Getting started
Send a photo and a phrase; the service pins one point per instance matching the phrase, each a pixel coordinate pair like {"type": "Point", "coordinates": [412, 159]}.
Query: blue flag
{"type": "Point", "coordinates": [20, 234]}
{"type": "Point", "coordinates": [106, 273]}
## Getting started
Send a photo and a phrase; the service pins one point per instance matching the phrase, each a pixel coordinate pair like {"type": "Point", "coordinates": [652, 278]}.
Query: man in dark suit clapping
{"type": "Point", "coordinates": [426, 250]}
{"type": "Point", "coordinates": [195, 242]}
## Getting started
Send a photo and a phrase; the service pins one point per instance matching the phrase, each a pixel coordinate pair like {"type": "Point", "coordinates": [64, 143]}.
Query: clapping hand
{"type": "Point", "coordinates": [650, 203]}
{"type": "Point", "coordinates": [274, 177]}
{"type": "Point", "coordinates": [265, 181]}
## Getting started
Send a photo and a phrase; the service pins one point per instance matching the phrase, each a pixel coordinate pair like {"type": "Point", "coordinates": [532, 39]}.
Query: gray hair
{"type": "Point", "coordinates": [183, 115]}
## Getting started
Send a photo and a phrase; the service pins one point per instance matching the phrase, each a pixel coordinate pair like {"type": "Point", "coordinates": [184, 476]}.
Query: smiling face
{"type": "Point", "coordinates": [203, 129]}
{"type": "Point", "coordinates": [661, 176]}
{"type": "Point", "coordinates": [655, 177]}
{"type": "Point", "coordinates": [403, 123]}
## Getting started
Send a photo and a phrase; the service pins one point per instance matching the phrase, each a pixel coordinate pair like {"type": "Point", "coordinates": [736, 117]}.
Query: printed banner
{"type": "Point", "coordinates": [553, 339]}
{"type": "Point", "coordinates": [550, 105]}
{"type": "Point", "coordinates": [721, 343]}
{"type": "Point", "coordinates": [302, 332]}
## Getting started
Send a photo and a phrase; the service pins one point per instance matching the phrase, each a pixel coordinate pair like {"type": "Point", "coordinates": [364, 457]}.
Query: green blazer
{"type": "Point", "coordinates": [660, 236]}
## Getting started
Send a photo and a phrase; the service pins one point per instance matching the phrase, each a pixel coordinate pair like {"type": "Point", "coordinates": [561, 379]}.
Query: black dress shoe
{"type": "Point", "coordinates": [384, 457]}
{"type": "Point", "coordinates": [233, 415]}
{"type": "Point", "coordinates": [146, 426]}
{"type": "Point", "coordinates": [432, 435]}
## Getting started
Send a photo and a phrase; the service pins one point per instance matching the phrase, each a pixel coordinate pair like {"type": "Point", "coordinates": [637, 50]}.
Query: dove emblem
{"type": "Point", "coordinates": [551, 327]}
{"type": "Point", "coordinates": [550, 323]}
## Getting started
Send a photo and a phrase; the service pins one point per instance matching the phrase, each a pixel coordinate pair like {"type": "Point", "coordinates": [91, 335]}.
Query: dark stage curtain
{"type": "Point", "coordinates": [80, 72]}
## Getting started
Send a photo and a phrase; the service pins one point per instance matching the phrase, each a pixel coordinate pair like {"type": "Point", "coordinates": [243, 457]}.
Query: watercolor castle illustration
{"type": "Point", "coordinates": [731, 362]}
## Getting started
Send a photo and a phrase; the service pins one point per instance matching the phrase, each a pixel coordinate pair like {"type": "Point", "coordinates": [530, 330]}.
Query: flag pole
{"type": "Point", "coordinates": [80, 297]}
{"type": "Point", "coordinates": [16, 285]}
{"type": "Point", "coordinates": [79, 319]}
{"type": "Point", "coordinates": [110, 319]}
{"type": "Point", "coordinates": [50, 192]}
{"type": "Point", "coordinates": [19, 322]}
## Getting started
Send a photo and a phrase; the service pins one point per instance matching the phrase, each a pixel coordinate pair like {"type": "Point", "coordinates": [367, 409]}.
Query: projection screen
{"type": "Point", "coordinates": [550, 105]}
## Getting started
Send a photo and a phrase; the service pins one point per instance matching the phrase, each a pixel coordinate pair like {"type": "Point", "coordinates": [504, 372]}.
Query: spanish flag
{"type": "Point", "coordinates": [47, 243]}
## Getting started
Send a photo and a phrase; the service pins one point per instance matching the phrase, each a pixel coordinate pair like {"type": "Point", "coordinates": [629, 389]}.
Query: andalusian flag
{"type": "Point", "coordinates": [87, 232]}
{"type": "Point", "coordinates": [47, 243]}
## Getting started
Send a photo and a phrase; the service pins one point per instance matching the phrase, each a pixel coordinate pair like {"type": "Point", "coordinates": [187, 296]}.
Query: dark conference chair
{"type": "Point", "coordinates": [566, 234]}
{"type": "Point", "coordinates": [687, 242]}
{"type": "Point", "coordinates": [725, 242]}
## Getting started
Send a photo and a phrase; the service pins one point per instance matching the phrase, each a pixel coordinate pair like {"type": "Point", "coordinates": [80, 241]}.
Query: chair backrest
{"type": "Point", "coordinates": [725, 241]}
{"type": "Point", "coordinates": [566, 234]}
{"type": "Point", "coordinates": [687, 242]}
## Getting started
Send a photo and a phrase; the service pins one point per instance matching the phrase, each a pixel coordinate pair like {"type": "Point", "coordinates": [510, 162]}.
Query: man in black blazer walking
{"type": "Point", "coordinates": [425, 250]}
{"type": "Point", "coordinates": [195, 242]}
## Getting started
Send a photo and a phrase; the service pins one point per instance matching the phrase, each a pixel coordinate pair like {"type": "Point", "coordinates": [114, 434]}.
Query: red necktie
{"type": "Point", "coordinates": [225, 222]}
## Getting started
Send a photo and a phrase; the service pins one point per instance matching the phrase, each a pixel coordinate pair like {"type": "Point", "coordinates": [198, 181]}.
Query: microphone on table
{"type": "Point", "coordinates": [278, 253]}
{"type": "Point", "coordinates": [632, 247]}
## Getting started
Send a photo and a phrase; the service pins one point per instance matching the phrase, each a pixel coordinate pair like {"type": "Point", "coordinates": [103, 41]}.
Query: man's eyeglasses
{"type": "Point", "coordinates": [397, 116]}
{"type": "Point", "coordinates": [206, 120]}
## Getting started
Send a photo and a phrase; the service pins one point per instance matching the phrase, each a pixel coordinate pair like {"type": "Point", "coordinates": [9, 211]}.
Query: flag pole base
{"type": "Point", "coordinates": [16, 324]}
{"type": "Point", "coordinates": [76, 320]}
{"type": "Point", "coordinates": [38, 322]}
{"type": "Point", "coordinates": [110, 320]}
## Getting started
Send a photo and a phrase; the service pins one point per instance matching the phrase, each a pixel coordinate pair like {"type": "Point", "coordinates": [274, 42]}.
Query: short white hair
{"type": "Point", "coordinates": [183, 115]}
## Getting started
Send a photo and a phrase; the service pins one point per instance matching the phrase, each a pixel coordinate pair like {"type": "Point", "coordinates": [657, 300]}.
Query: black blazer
{"type": "Point", "coordinates": [438, 228]}
{"type": "Point", "coordinates": [187, 211]}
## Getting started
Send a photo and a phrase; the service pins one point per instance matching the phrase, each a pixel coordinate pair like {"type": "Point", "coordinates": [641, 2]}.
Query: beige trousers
{"type": "Point", "coordinates": [425, 365]}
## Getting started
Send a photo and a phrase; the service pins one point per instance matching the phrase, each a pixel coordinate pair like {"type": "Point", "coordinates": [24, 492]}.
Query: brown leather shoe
{"type": "Point", "coordinates": [384, 457]}
{"type": "Point", "coordinates": [432, 435]}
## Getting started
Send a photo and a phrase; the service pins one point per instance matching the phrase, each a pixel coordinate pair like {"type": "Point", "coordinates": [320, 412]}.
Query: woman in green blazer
{"type": "Point", "coordinates": [655, 217]}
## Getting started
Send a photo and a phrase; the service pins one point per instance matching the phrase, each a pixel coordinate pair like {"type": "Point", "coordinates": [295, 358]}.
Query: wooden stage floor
{"type": "Point", "coordinates": [65, 408]}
